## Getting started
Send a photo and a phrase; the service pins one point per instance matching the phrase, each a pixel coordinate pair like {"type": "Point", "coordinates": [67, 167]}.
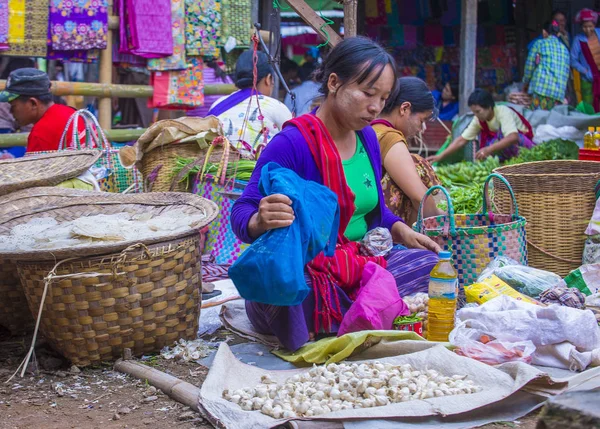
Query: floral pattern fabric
{"type": "Point", "coordinates": [27, 28]}
{"type": "Point", "coordinates": [203, 27]}
{"type": "Point", "coordinates": [3, 24]}
{"type": "Point", "coordinates": [78, 24]}
{"type": "Point", "coordinates": [179, 89]}
{"type": "Point", "coordinates": [177, 61]}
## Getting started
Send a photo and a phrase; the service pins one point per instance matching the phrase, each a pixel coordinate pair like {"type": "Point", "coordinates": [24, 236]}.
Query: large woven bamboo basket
{"type": "Point", "coordinates": [111, 296]}
{"type": "Point", "coordinates": [162, 162]}
{"type": "Point", "coordinates": [557, 199]}
{"type": "Point", "coordinates": [14, 311]}
{"type": "Point", "coordinates": [44, 170]}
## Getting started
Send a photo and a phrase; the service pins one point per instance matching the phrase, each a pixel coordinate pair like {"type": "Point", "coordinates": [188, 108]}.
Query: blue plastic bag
{"type": "Point", "coordinates": [271, 270]}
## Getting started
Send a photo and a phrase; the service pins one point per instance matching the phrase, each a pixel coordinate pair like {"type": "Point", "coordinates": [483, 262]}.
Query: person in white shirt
{"type": "Point", "coordinates": [251, 117]}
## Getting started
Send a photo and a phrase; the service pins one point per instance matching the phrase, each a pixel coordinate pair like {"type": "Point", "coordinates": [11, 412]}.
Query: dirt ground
{"type": "Point", "coordinates": [59, 396]}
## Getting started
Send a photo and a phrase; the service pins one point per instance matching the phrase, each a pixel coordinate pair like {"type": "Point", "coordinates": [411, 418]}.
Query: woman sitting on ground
{"type": "Point", "coordinates": [446, 101]}
{"type": "Point", "coordinates": [501, 130]}
{"type": "Point", "coordinates": [250, 119]}
{"type": "Point", "coordinates": [406, 177]}
{"type": "Point", "coordinates": [335, 146]}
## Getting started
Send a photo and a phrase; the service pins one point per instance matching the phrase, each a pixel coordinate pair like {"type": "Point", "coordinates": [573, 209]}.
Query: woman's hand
{"type": "Point", "coordinates": [483, 154]}
{"type": "Point", "coordinates": [404, 234]}
{"type": "Point", "coordinates": [434, 158]}
{"type": "Point", "coordinates": [274, 211]}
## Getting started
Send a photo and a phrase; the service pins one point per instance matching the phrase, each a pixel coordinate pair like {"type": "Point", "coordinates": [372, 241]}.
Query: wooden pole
{"type": "Point", "coordinates": [521, 23]}
{"type": "Point", "coordinates": [115, 90]}
{"type": "Point", "coordinates": [350, 18]}
{"type": "Point", "coordinates": [315, 21]}
{"type": "Point", "coordinates": [124, 135]}
{"type": "Point", "coordinates": [106, 65]}
{"type": "Point", "coordinates": [179, 390]}
{"type": "Point", "coordinates": [468, 55]}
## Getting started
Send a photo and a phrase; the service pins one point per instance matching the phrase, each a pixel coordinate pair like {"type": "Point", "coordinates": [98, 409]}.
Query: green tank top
{"type": "Point", "coordinates": [361, 180]}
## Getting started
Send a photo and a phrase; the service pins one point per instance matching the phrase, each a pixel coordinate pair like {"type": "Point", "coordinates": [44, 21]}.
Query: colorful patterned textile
{"type": "Point", "coordinates": [136, 18]}
{"type": "Point", "coordinates": [547, 68]}
{"type": "Point", "coordinates": [177, 60]}
{"type": "Point", "coordinates": [27, 28]}
{"type": "Point", "coordinates": [203, 27]}
{"type": "Point", "coordinates": [179, 89]}
{"type": "Point", "coordinates": [78, 56]}
{"type": "Point", "coordinates": [292, 325]}
{"type": "Point", "coordinates": [125, 60]}
{"type": "Point", "coordinates": [78, 24]}
{"type": "Point", "coordinates": [539, 102]}
{"type": "Point", "coordinates": [237, 21]}
{"type": "Point", "coordinates": [3, 24]}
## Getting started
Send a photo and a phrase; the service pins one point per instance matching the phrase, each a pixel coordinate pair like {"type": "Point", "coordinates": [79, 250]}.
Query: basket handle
{"type": "Point", "coordinates": [545, 252]}
{"type": "Point", "coordinates": [430, 191]}
{"type": "Point", "coordinates": [486, 194]}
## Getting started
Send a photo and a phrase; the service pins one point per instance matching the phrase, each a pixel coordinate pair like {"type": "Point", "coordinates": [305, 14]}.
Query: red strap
{"type": "Point", "coordinates": [587, 53]}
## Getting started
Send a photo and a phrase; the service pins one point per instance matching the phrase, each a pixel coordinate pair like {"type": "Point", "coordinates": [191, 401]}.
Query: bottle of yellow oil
{"type": "Point", "coordinates": [588, 139]}
{"type": "Point", "coordinates": [597, 138]}
{"type": "Point", "coordinates": [443, 289]}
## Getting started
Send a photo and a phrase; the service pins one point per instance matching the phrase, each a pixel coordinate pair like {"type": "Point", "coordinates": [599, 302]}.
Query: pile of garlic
{"type": "Point", "coordinates": [336, 387]}
{"type": "Point", "coordinates": [418, 304]}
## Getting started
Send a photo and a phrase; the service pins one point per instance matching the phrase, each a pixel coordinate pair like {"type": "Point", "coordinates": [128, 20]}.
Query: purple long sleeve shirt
{"type": "Point", "coordinates": [290, 150]}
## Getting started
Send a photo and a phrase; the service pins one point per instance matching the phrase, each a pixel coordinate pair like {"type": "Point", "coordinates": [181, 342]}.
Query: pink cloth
{"type": "Point", "coordinates": [145, 28]}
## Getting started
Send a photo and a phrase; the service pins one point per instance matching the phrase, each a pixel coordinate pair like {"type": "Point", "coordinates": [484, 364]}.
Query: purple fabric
{"type": "Point", "coordinates": [292, 325]}
{"type": "Point", "coordinates": [512, 151]}
{"type": "Point", "coordinates": [136, 18]}
{"type": "Point", "coordinates": [208, 74]}
{"type": "Point", "coordinates": [3, 24]}
{"type": "Point", "coordinates": [290, 150]}
{"type": "Point", "coordinates": [232, 101]}
{"type": "Point", "coordinates": [77, 25]}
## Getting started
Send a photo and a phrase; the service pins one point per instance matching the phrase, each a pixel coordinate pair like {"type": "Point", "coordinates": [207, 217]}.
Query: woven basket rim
{"type": "Point", "coordinates": [505, 170]}
{"type": "Point", "coordinates": [43, 176]}
{"type": "Point", "coordinates": [156, 199]}
{"type": "Point", "coordinates": [468, 230]}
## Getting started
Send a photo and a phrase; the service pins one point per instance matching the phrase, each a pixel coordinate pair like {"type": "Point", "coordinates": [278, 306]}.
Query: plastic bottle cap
{"type": "Point", "coordinates": [445, 254]}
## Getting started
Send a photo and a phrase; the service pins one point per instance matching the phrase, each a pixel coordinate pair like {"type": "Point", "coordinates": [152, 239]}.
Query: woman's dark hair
{"type": "Point", "coordinates": [557, 11]}
{"type": "Point", "coordinates": [354, 60]}
{"type": "Point", "coordinates": [219, 72]}
{"type": "Point", "coordinates": [414, 91]}
{"type": "Point", "coordinates": [16, 64]}
{"type": "Point", "coordinates": [454, 88]}
{"type": "Point", "coordinates": [244, 69]}
{"type": "Point", "coordinates": [550, 28]}
{"type": "Point", "coordinates": [480, 97]}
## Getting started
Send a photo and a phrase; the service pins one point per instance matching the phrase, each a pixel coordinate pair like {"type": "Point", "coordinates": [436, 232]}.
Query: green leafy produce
{"type": "Point", "coordinates": [240, 170]}
{"type": "Point", "coordinates": [405, 320]}
{"type": "Point", "coordinates": [549, 150]}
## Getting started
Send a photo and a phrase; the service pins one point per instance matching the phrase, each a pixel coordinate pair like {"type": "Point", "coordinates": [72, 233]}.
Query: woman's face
{"type": "Point", "coordinates": [409, 123]}
{"type": "Point", "coordinates": [588, 28]}
{"type": "Point", "coordinates": [561, 20]}
{"type": "Point", "coordinates": [482, 113]}
{"type": "Point", "coordinates": [357, 105]}
{"type": "Point", "coordinates": [447, 93]}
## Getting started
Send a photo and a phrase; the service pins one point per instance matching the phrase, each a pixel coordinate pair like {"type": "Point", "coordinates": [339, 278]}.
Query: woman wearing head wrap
{"type": "Point", "coordinates": [585, 57]}
{"type": "Point", "coordinates": [250, 117]}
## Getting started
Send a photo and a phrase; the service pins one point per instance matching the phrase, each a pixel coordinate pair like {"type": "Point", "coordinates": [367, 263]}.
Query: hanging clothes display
{"type": "Point", "coordinates": [179, 89]}
{"type": "Point", "coordinates": [237, 21]}
{"type": "Point", "coordinates": [78, 25]}
{"type": "Point", "coordinates": [125, 60]}
{"type": "Point", "coordinates": [145, 28]}
{"type": "Point", "coordinates": [203, 27]}
{"type": "Point", "coordinates": [177, 60]}
{"type": "Point", "coordinates": [27, 28]}
{"type": "Point", "coordinates": [3, 25]}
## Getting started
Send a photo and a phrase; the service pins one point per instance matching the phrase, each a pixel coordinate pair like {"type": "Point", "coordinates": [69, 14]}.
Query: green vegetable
{"type": "Point", "coordinates": [405, 320]}
{"type": "Point", "coordinates": [240, 170]}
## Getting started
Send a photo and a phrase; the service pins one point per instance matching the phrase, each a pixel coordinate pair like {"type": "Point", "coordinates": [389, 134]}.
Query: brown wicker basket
{"type": "Point", "coordinates": [44, 170]}
{"type": "Point", "coordinates": [164, 159]}
{"type": "Point", "coordinates": [557, 199]}
{"type": "Point", "coordinates": [14, 312]}
{"type": "Point", "coordinates": [141, 296]}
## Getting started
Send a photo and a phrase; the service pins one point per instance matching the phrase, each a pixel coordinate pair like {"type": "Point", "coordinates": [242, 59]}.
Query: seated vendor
{"type": "Point", "coordinates": [335, 146]}
{"type": "Point", "coordinates": [250, 120]}
{"type": "Point", "coordinates": [28, 92]}
{"type": "Point", "coordinates": [446, 101]}
{"type": "Point", "coordinates": [501, 130]}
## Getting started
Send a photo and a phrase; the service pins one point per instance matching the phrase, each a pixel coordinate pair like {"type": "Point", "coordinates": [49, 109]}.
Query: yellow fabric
{"type": "Point", "coordinates": [16, 21]}
{"type": "Point", "coordinates": [388, 137]}
{"type": "Point", "coordinates": [505, 119]}
{"type": "Point", "coordinates": [577, 84]}
{"type": "Point", "coordinates": [76, 184]}
{"type": "Point", "coordinates": [336, 349]}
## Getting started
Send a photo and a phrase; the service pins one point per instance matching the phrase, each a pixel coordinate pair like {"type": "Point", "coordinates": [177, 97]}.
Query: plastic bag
{"type": "Point", "coordinates": [493, 287]}
{"type": "Point", "coordinates": [585, 278]}
{"type": "Point", "coordinates": [591, 250]}
{"type": "Point", "coordinates": [526, 280]}
{"type": "Point", "coordinates": [472, 340]}
{"type": "Point", "coordinates": [377, 242]}
{"type": "Point", "coordinates": [377, 304]}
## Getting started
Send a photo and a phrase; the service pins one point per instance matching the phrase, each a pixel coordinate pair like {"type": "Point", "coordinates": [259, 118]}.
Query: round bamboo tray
{"type": "Point", "coordinates": [44, 170]}
{"type": "Point", "coordinates": [137, 295]}
{"type": "Point", "coordinates": [14, 311]}
{"type": "Point", "coordinates": [143, 300]}
{"type": "Point", "coordinates": [557, 198]}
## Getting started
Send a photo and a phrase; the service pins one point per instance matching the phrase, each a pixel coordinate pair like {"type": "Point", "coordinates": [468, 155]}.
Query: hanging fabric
{"type": "Point", "coordinates": [145, 28]}
{"type": "Point", "coordinates": [176, 61]}
{"type": "Point", "coordinates": [78, 25]}
{"type": "Point", "coordinates": [203, 27]}
{"type": "Point", "coordinates": [237, 21]}
{"type": "Point", "coordinates": [3, 25]}
{"type": "Point", "coordinates": [178, 89]}
{"type": "Point", "coordinates": [27, 28]}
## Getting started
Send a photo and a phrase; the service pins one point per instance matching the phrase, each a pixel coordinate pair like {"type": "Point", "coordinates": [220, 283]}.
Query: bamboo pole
{"type": "Point", "coordinates": [179, 390]}
{"type": "Point", "coordinates": [468, 46]}
{"type": "Point", "coordinates": [125, 135]}
{"type": "Point", "coordinates": [115, 90]}
{"type": "Point", "coordinates": [350, 18]}
{"type": "Point", "coordinates": [106, 66]}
